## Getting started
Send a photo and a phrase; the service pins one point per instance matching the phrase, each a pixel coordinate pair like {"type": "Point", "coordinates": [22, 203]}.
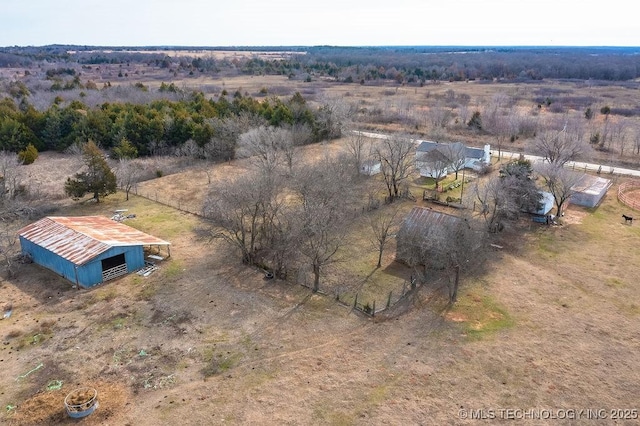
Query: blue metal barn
{"type": "Point", "coordinates": [86, 250]}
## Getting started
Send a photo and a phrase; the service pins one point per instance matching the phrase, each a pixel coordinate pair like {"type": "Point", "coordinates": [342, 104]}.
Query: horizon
{"type": "Point", "coordinates": [300, 46]}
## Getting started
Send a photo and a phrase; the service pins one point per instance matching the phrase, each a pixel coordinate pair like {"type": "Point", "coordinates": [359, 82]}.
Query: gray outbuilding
{"type": "Point", "coordinates": [589, 191]}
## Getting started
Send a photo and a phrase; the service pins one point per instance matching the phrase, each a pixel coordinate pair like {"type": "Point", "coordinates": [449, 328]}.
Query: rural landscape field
{"type": "Point", "coordinates": [545, 325]}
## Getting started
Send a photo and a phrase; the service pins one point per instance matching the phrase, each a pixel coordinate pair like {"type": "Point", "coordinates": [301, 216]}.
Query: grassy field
{"type": "Point", "coordinates": [552, 324]}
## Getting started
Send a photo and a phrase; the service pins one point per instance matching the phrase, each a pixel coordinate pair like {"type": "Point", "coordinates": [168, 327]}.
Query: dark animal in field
{"type": "Point", "coordinates": [627, 219]}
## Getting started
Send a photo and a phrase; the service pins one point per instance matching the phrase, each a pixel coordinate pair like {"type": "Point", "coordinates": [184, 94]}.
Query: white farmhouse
{"type": "Point", "coordinates": [436, 160]}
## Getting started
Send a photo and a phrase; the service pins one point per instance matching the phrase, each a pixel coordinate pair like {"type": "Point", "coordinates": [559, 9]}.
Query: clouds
{"type": "Point", "coordinates": [288, 22]}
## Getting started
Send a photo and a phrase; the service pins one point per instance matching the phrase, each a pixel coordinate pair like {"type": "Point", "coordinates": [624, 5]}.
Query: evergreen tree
{"type": "Point", "coordinates": [98, 179]}
{"type": "Point", "coordinates": [125, 150]}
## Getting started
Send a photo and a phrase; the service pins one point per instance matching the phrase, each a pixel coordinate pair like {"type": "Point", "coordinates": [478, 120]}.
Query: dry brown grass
{"type": "Point", "coordinates": [47, 407]}
{"type": "Point", "coordinates": [552, 324]}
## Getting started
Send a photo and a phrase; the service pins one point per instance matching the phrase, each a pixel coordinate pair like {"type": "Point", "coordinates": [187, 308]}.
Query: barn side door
{"type": "Point", "coordinates": [113, 267]}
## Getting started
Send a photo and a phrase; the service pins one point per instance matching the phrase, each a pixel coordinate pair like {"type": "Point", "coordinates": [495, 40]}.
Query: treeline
{"type": "Point", "coordinates": [419, 65]}
{"type": "Point", "coordinates": [404, 65]}
{"type": "Point", "coordinates": [161, 126]}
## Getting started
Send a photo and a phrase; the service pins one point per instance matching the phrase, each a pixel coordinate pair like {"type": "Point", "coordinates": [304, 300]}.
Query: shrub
{"type": "Point", "coordinates": [28, 155]}
{"type": "Point", "coordinates": [475, 122]}
{"type": "Point", "coordinates": [588, 114]}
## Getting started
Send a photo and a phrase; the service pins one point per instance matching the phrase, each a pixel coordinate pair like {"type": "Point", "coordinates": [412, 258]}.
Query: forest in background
{"type": "Point", "coordinates": [405, 64]}
{"type": "Point", "coordinates": [167, 100]}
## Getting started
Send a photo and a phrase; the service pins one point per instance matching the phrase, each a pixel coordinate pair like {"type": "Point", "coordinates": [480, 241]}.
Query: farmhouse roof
{"type": "Point", "coordinates": [432, 156]}
{"type": "Point", "coordinates": [419, 217]}
{"type": "Point", "coordinates": [426, 146]}
{"type": "Point", "coordinates": [469, 152]}
{"type": "Point", "coordinates": [79, 239]}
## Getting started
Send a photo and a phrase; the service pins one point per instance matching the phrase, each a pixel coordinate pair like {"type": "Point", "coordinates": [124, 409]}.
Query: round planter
{"type": "Point", "coordinates": [81, 402]}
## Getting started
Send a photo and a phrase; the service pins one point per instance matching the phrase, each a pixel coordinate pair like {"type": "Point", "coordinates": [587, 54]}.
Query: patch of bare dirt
{"type": "Point", "coordinates": [48, 407]}
{"type": "Point", "coordinates": [574, 216]}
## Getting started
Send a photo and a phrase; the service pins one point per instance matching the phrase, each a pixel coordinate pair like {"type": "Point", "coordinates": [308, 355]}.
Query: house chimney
{"type": "Point", "coordinates": [487, 154]}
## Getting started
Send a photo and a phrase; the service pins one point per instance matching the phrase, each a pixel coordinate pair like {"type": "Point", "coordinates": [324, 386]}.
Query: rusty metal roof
{"type": "Point", "coordinates": [81, 238]}
{"type": "Point", "coordinates": [420, 217]}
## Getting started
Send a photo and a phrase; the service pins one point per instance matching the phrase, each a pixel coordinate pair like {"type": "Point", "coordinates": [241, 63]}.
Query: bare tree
{"type": "Point", "coordinates": [494, 203]}
{"type": "Point", "coordinates": [227, 132]}
{"type": "Point", "coordinates": [241, 212]}
{"type": "Point", "coordinates": [559, 181]}
{"type": "Point", "coordinates": [382, 224]}
{"type": "Point", "coordinates": [206, 167]}
{"type": "Point", "coordinates": [439, 116]}
{"type": "Point", "coordinates": [333, 116]}
{"type": "Point", "coordinates": [262, 145]}
{"type": "Point", "coordinates": [128, 174]}
{"type": "Point", "coordinates": [434, 163]}
{"type": "Point", "coordinates": [190, 149]}
{"type": "Point", "coordinates": [559, 146]}
{"type": "Point", "coordinates": [457, 155]}
{"type": "Point", "coordinates": [502, 131]}
{"type": "Point", "coordinates": [287, 145]}
{"type": "Point", "coordinates": [282, 237]}
{"type": "Point", "coordinates": [10, 175]}
{"type": "Point", "coordinates": [619, 135]}
{"type": "Point", "coordinates": [8, 247]}
{"type": "Point", "coordinates": [636, 141]}
{"type": "Point", "coordinates": [396, 155]}
{"type": "Point", "coordinates": [606, 141]}
{"type": "Point", "coordinates": [321, 189]}
{"type": "Point", "coordinates": [453, 245]}
{"type": "Point", "coordinates": [359, 148]}
{"type": "Point", "coordinates": [294, 136]}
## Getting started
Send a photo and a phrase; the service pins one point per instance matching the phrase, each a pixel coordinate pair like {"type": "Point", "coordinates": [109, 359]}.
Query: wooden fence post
{"type": "Point", "coordinates": [355, 302]}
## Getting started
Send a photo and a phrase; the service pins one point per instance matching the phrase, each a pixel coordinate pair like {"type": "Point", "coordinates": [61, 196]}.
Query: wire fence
{"type": "Point", "coordinates": [368, 307]}
{"type": "Point", "coordinates": [175, 202]}
{"type": "Point", "coordinates": [373, 307]}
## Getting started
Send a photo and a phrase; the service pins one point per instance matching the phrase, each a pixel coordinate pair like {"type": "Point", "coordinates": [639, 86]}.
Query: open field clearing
{"type": "Point", "coordinates": [206, 340]}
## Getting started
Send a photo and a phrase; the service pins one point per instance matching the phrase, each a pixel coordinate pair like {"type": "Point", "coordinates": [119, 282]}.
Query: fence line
{"type": "Point", "coordinates": [369, 307]}
{"type": "Point", "coordinates": [175, 203]}
{"type": "Point", "coordinates": [624, 197]}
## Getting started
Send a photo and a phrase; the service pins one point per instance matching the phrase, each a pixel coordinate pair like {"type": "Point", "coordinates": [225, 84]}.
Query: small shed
{"type": "Point", "coordinates": [416, 225]}
{"type": "Point", "coordinates": [542, 215]}
{"type": "Point", "coordinates": [589, 191]}
{"type": "Point", "coordinates": [86, 250]}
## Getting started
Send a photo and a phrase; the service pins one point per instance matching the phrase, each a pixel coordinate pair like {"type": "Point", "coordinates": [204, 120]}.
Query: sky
{"type": "Point", "coordinates": [325, 22]}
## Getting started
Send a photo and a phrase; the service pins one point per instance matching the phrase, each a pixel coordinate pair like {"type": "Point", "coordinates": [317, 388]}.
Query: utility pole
{"type": "Point", "coordinates": [462, 187]}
